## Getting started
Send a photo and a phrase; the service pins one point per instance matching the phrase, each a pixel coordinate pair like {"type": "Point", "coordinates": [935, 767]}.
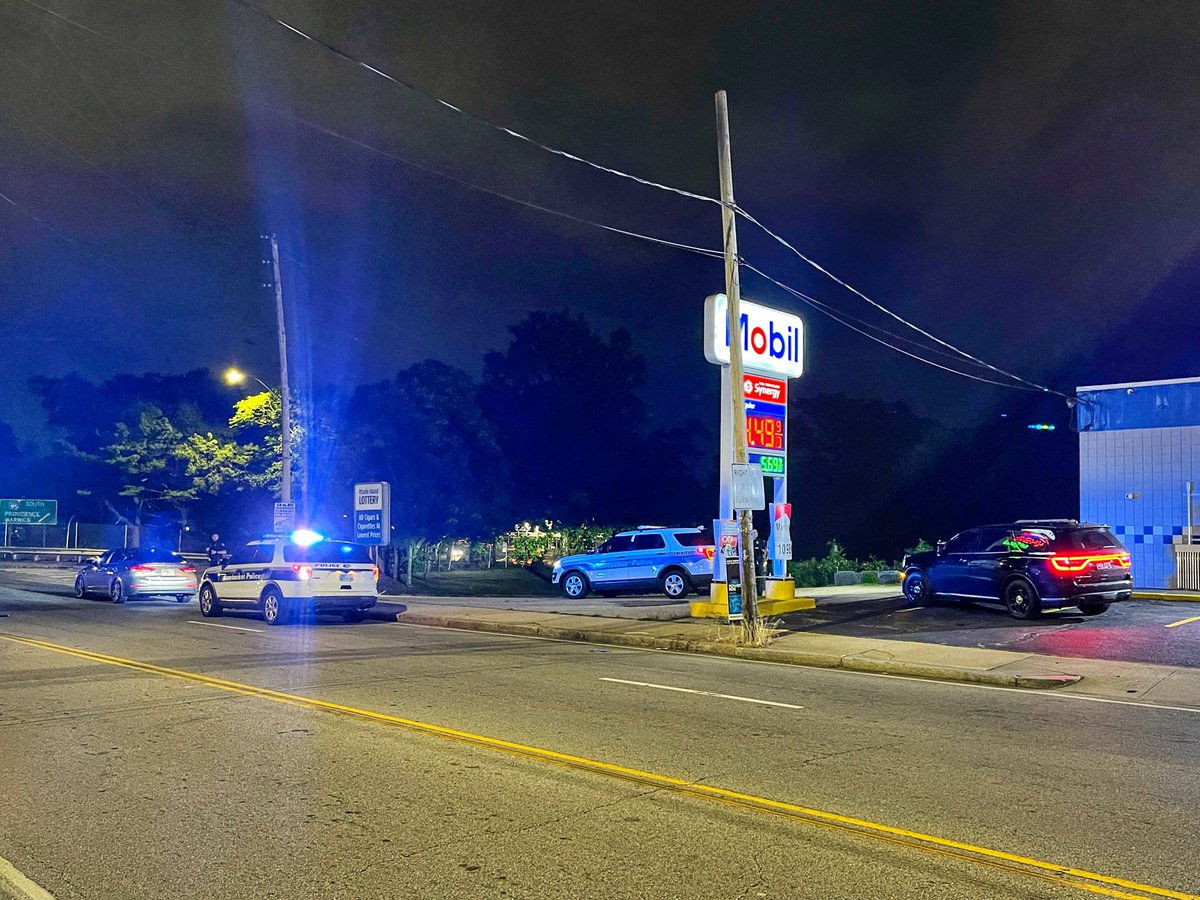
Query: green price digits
{"type": "Point", "coordinates": [772, 465]}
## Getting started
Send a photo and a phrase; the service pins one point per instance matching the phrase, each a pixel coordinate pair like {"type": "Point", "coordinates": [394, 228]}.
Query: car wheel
{"type": "Point", "coordinates": [575, 585]}
{"type": "Point", "coordinates": [916, 588]}
{"type": "Point", "coordinates": [116, 591]}
{"type": "Point", "coordinates": [354, 616]}
{"type": "Point", "coordinates": [1022, 600]}
{"type": "Point", "coordinates": [274, 611]}
{"type": "Point", "coordinates": [675, 584]}
{"type": "Point", "coordinates": [1093, 609]}
{"type": "Point", "coordinates": [210, 606]}
{"type": "Point", "coordinates": [80, 590]}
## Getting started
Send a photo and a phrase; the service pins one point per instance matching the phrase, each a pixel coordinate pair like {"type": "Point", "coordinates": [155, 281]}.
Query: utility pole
{"type": "Point", "coordinates": [751, 623]}
{"type": "Point", "coordinates": [285, 487]}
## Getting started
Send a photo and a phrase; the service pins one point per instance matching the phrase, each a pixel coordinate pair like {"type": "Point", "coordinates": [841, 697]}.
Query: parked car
{"type": "Point", "coordinates": [674, 561]}
{"type": "Point", "coordinates": [135, 572]}
{"type": "Point", "coordinates": [1029, 566]}
{"type": "Point", "coordinates": [286, 576]}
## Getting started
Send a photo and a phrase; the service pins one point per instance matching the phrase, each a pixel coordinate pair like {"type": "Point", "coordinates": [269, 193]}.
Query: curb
{"type": "Point", "coordinates": [758, 654]}
{"type": "Point", "coordinates": [1172, 596]}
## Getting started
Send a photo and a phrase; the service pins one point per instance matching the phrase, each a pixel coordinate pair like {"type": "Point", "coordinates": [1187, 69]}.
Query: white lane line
{"type": "Point", "coordinates": [14, 883]}
{"type": "Point", "coordinates": [1032, 693]}
{"type": "Point", "coordinates": [908, 609]}
{"type": "Point", "coordinates": [1183, 622]}
{"type": "Point", "coordinates": [234, 627]}
{"type": "Point", "coordinates": [667, 687]}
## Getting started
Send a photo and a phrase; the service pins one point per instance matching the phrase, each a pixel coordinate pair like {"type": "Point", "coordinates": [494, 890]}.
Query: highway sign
{"type": "Point", "coordinates": [29, 512]}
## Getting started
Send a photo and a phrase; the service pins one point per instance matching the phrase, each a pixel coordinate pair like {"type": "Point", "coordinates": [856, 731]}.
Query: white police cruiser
{"type": "Point", "coordinates": [675, 561]}
{"type": "Point", "coordinates": [285, 575]}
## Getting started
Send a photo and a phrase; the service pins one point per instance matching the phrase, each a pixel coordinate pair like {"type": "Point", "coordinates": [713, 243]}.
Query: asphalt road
{"type": "Point", "coordinates": [122, 779]}
{"type": "Point", "coordinates": [1138, 631]}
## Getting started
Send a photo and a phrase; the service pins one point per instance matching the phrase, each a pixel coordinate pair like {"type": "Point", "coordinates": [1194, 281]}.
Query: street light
{"type": "Point", "coordinates": [235, 376]}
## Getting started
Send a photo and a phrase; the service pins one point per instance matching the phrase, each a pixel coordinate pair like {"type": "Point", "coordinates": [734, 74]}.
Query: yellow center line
{"type": "Point", "coordinates": [1183, 622]}
{"type": "Point", "coordinates": [1081, 879]}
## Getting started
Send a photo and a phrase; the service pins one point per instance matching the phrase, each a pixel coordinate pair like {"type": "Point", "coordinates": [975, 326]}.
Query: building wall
{"type": "Point", "coordinates": [1139, 444]}
{"type": "Point", "coordinates": [1152, 465]}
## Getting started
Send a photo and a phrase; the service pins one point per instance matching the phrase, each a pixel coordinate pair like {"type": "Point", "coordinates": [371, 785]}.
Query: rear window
{"type": "Point", "coordinates": [694, 538]}
{"type": "Point", "coordinates": [149, 554]}
{"type": "Point", "coordinates": [327, 552]}
{"type": "Point", "coordinates": [1087, 539]}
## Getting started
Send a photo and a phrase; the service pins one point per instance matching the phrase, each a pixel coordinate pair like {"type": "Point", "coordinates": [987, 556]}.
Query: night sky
{"type": "Point", "coordinates": [1019, 179]}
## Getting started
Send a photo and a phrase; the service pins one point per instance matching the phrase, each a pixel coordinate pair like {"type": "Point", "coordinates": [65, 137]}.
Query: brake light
{"type": "Point", "coordinates": [187, 568]}
{"type": "Point", "coordinates": [1075, 564]}
{"type": "Point", "coordinates": [375, 572]}
{"type": "Point", "coordinates": [141, 567]}
{"type": "Point", "coordinates": [305, 572]}
{"type": "Point", "coordinates": [709, 552]}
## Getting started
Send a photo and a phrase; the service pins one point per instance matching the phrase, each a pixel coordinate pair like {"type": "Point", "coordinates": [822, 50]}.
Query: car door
{"type": "Point", "coordinates": [646, 559]}
{"type": "Point", "coordinates": [983, 564]}
{"type": "Point", "coordinates": [612, 560]}
{"type": "Point", "coordinates": [93, 578]}
{"type": "Point", "coordinates": [234, 577]}
{"type": "Point", "coordinates": [949, 573]}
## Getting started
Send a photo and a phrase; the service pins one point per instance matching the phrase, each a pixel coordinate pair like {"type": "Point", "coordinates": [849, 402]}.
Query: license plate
{"type": "Point", "coordinates": [346, 576]}
{"type": "Point", "coordinates": [1104, 565]}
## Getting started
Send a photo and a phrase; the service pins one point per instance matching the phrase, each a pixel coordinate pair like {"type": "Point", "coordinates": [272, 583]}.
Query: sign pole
{"type": "Point", "coordinates": [285, 401]}
{"type": "Point", "coordinates": [751, 624]}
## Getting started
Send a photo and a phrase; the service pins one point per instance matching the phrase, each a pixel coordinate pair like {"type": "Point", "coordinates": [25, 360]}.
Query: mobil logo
{"type": "Point", "coordinates": [772, 341]}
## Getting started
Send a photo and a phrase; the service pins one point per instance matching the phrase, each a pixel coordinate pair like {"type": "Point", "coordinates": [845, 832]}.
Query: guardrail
{"type": "Point", "coordinates": [1187, 567]}
{"type": "Point", "coordinates": [73, 555]}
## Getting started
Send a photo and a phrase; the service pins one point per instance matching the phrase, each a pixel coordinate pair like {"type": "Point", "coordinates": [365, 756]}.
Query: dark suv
{"type": "Point", "coordinates": [1028, 566]}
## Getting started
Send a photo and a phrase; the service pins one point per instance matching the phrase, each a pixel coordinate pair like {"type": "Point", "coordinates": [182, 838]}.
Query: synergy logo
{"type": "Point", "coordinates": [756, 387]}
{"type": "Point", "coordinates": [772, 340]}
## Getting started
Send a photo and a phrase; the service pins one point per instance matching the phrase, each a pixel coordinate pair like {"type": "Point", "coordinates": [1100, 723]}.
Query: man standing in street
{"type": "Point", "coordinates": [216, 550]}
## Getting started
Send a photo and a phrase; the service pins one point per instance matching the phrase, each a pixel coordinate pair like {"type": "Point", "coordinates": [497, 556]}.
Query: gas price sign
{"type": "Point", "coordinates": [764, 432]}
{"type": "Point", "coordinates": [766, 413]}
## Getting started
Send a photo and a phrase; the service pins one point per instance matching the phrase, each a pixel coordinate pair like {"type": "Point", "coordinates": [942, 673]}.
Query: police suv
{"type": "Point", "coordinates": [283, 576]}
{"type": "Point", "coordinates": [675, 561]}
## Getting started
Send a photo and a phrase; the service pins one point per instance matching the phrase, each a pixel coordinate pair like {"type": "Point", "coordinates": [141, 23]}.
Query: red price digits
{"type": "Point", "coordinates": [764, 432]}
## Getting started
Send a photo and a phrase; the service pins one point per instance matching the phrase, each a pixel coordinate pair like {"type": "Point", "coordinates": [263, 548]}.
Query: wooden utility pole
{"type": "Point", "coordinates": [285, 486]}
{"type": "Point", "coordinates": [751, 623]}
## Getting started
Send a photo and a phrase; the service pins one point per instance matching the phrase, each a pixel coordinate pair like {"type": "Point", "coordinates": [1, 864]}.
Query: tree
{"type": "Point", "coordinates": [564, 404]}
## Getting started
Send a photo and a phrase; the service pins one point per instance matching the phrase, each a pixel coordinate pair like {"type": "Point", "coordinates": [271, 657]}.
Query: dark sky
{"type": "Point", "coordinates": [1018, 178]}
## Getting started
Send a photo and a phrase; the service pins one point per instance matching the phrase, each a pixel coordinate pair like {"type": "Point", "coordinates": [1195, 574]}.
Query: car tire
{"type": "Point", "coordinates": [274, 610]}
{"type": "Point", "coordinates": [116, 591]}
{"type": "Point", "coordinates": [354, 616]}
{"type": "Point", "coordinates": [575, 585]}
{"type": "Point", "coordinates": [1021, 599]}
{"type": "Point", "coordinates": [210, 606]}
{"type": "Point", "coordinates": [675, 584]}
{"type": "Point", "coordinates": [1093, 609]}
{"type": "Point", "coordinates": [916, 588]}
{"type": "Point", "coordinates": [80, 590]}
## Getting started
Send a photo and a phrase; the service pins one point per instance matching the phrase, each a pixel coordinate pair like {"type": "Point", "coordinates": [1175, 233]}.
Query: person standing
{"type": "Point", "coordinates": [216, 550]}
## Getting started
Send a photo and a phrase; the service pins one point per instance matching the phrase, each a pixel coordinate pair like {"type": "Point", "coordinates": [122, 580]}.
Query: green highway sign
{"type": "Point", "coordinates": [29, 512]}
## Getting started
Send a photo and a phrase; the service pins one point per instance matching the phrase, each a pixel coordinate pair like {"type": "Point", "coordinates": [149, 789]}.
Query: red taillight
{"type": "Point", "coordinates": [305, 572]}
{"type": "Point", "coordinates": [141, 568]}
{"type": "Point", "coordinates": [188, 568]}
{"type": "Point", "coordinates": [375, 572]}
{"type": "Point", "coordinates": [710, 552]}
{"type": "Point", "coordinates": [1069, 565]}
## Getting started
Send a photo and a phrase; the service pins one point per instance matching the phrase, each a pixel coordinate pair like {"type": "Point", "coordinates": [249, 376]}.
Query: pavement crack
{"type": "Point", "coordinates": [826, 756]}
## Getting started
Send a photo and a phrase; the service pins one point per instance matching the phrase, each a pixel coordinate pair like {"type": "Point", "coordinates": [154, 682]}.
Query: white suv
{"type": "Point", "coordinates": [286, 576]}
{"type": "Point", "coordinates": [675, 561]}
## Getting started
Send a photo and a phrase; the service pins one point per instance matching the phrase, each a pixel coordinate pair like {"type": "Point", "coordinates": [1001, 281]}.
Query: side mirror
{"type": "Point", "coordinates": [941, 547]}
{"type": "Point", "coordinates": [91, 561]}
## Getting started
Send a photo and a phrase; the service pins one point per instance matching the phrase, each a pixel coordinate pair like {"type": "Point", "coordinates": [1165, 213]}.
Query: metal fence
{"type": "Point", "coordinates": [1187, 567]}
{"type": "Point", "coordinates": [75, 535]}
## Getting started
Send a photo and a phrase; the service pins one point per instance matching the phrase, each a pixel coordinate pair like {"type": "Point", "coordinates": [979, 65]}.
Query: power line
{"type": "Point", "coordinates": [1032, 385]}
{"type": "Point", "coordinates": [60, 234]}
{"type": "Point", "coordinates": [503, 129]}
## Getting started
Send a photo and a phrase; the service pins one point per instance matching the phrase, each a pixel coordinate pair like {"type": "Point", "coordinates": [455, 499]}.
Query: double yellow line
{"type": "Point", "coordinates": [1081, 879]}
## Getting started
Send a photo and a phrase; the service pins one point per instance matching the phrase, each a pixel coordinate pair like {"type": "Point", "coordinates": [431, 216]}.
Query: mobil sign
{"type": "Point", "coordinates": [772, 340]}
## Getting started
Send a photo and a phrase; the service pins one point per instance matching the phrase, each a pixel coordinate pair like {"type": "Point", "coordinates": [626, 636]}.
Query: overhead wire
{"type": "Point", "coordinates": [738, 210]}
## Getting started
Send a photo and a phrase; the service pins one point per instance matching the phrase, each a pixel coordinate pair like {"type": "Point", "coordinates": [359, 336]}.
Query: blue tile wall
{"type": "Point", "coordinates": [1133, 479]}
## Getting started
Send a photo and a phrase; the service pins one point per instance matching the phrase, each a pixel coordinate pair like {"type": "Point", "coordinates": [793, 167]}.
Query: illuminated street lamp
{"type": "Point", "coordinates": [235, 376]}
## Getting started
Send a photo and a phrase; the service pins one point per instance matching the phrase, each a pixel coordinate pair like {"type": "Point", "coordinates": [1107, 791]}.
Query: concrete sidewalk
{"type": "Point", "coordinates": [1162, 685]}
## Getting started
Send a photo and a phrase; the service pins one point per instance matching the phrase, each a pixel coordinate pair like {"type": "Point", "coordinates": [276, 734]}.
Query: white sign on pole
{"type": "Point", "coordinates": [372, 513]}
{"type": "Point", "coordinates": [285, 517]}
{"type": "Point", "coordinates": [747, 487]}
{"type": "Point", "coordinates": [772, 340]}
